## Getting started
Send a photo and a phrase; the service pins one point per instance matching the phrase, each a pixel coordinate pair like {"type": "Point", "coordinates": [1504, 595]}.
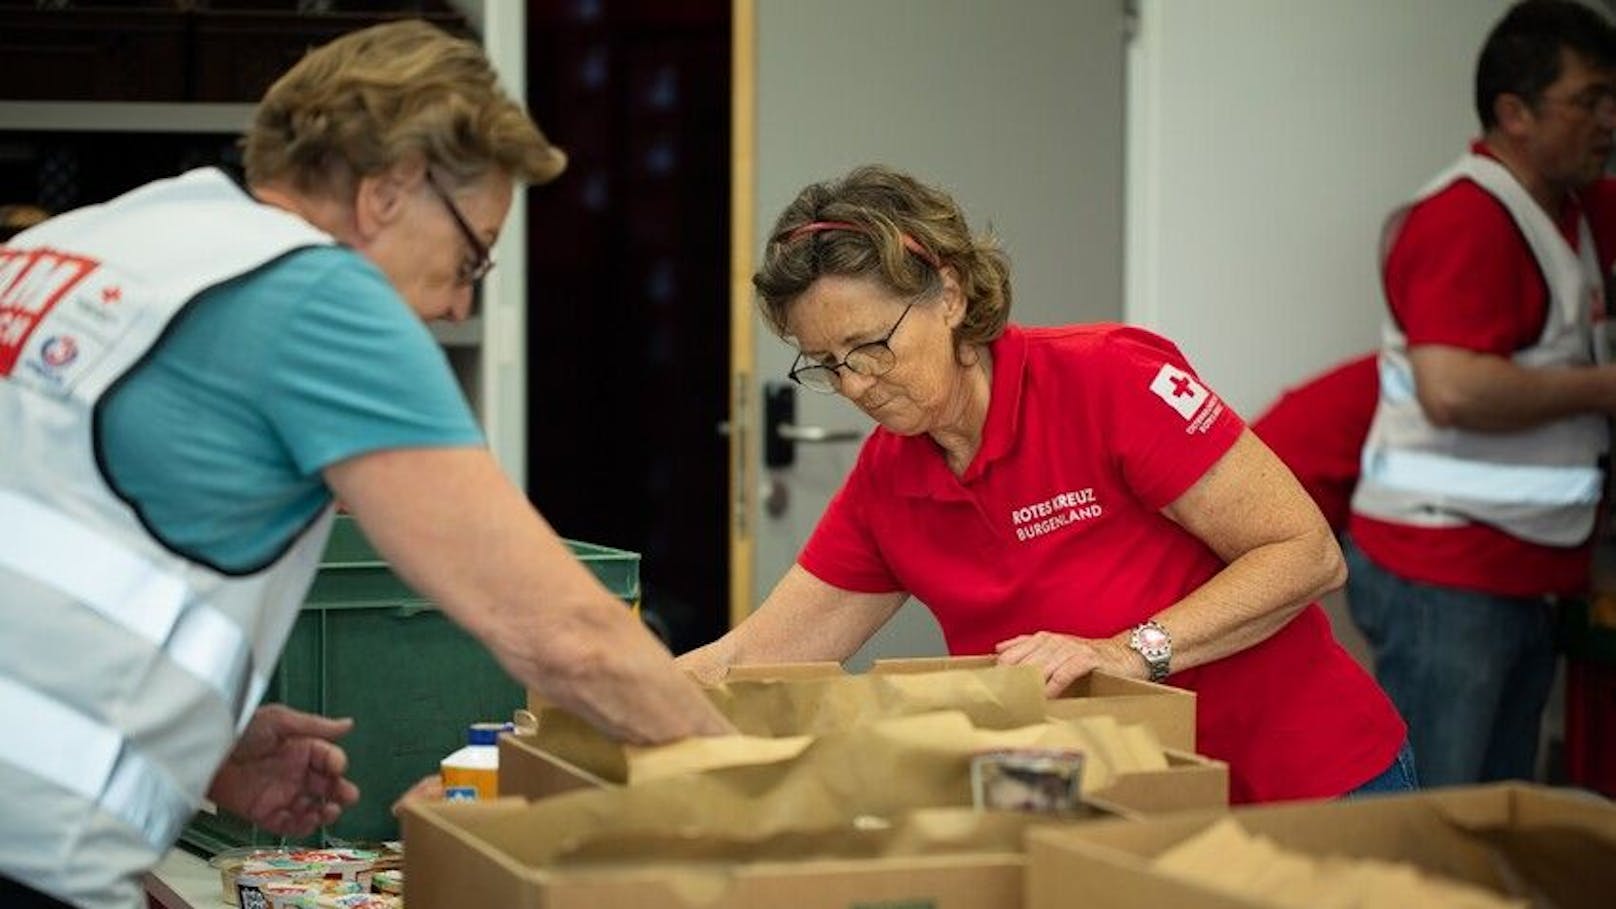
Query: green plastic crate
{"type": "Point", "coordinates": [367, 646]}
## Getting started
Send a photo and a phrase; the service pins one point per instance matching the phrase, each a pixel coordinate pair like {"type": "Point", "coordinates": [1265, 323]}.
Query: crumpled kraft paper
{"type": "Point", "coordinates": [872, 774]}
{"type": "Point", "coordinates": [1226, 857]}
{"type": "Point", "coordinates": [998, 697]}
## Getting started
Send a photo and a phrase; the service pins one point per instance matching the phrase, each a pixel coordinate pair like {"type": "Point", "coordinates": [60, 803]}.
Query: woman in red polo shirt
{"type": "Point", "coordinates": [1074, 498]}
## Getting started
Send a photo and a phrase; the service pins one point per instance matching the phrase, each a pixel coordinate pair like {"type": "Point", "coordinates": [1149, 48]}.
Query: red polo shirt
{"type": "Point", "coordinates": [1460, 274]}
{"type": "Point", "coordinates": [1318, 429]}
{"type": "Point", "coordinates": [1057, 526]}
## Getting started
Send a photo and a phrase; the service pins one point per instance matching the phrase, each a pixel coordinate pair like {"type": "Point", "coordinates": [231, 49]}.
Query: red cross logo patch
{"type": "Point", "coordinates": [1180, 390]}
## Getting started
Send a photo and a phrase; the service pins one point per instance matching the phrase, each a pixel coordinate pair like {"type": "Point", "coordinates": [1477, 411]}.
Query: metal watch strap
{"type": "Point", "coordinates": [1155, 646]}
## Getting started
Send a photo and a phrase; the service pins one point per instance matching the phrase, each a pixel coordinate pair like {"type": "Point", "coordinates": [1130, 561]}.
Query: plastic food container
{"type": "Point", "coordinates": [231, 863]}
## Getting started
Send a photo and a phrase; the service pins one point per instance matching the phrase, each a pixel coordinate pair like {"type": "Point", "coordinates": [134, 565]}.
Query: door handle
{"type": "Point", "coordinates": [794, 433]}
{"type": "Point", "coordinates": [782, 433]}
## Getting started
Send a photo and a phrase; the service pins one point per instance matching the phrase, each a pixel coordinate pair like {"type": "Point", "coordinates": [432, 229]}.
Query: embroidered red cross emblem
{"type": "Point", "coordinates": [1181, 387]}
{"type": "Point", "coordinates": [111, 295]}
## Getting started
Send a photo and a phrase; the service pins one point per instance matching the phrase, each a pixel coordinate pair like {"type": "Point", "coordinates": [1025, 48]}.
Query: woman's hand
{"type": "Point", "coordinates": [1064, 659]}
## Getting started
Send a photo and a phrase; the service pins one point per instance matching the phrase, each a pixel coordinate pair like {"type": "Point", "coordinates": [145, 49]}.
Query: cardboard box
{"type": "Point", "coordinates": [1167, 711]}
{"type": "Point", "coordinates": [1190, 782]}
{"type": "Point", "coordinates": [567, 755]}
{"type": "Point", "coordinates": [478, 854]}
{"type": "Point", "coordinates": [770, 672]}
{"type": "Point", "coordinates": [1562, 843]}
{"type": "Point", "coordinates": [852, 819]}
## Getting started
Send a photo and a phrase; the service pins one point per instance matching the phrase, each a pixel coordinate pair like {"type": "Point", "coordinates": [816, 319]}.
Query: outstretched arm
{"type": "Point", "coordinates": [1279, 556]}
{"type": "Point", "coordinates": [459, 532]}
{"type": "Point", "coordinates": [803, 620]}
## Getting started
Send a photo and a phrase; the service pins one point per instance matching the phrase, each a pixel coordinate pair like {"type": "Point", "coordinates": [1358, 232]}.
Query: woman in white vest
{"type": "Point", "coordinates": [189, 374]}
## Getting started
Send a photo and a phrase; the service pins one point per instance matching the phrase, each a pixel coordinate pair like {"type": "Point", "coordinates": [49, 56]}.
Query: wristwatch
{"type": "Point", "coordinates": [1151, 641]}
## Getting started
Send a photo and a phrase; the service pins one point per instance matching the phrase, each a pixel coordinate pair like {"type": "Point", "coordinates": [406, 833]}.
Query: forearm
{"type": "Point", "coordinates": [804, 620]}
{"type": "Point", "coordinates": [459, 532]}
{"type": "Point", "coordinates": [709, 663]}
{"type": "Point", "coordinates": [1487, 393]}
{"type": "Point", "coordinates": [1247, 602]}
{"type": "Point", "coordinates": [763, 638]}
{"type": "Point", "coordinates": [558, 631]}
{"type": "Point", "coordinates": [596, 660]}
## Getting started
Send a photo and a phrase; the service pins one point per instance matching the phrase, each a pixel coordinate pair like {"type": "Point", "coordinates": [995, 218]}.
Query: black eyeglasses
{"type": "Point", "coordinates": [1595, 101]}
{"type": "Point", "coordinates": [873, 358]}
{"type": "Point", "coordinates": [482, 262]}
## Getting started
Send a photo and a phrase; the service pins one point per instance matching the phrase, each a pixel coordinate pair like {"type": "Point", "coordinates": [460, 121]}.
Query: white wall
{"type": "Point", "coordinates": [1267, 139]}
{"type": "Point", "coordinates": [1016, 108]}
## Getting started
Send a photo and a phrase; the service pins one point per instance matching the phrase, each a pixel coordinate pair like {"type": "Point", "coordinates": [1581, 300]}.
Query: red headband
{"type": "Point", "coordinates": [909, 243]}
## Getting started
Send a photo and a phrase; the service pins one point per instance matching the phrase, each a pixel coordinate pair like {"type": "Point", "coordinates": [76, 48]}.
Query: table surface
{"type": "Point", "coordinates": [184, 881]}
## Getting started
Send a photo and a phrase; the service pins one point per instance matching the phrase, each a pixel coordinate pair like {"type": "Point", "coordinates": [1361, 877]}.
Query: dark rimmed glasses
{"type": "Point", "coordinates": [1598, 101]}
{"type": "Point", "coordinates": [482, 262]}
{"type": "Point", "coordinates": [872, 358]}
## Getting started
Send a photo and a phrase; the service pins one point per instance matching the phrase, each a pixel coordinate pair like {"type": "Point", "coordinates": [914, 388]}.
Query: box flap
{"type": "Point", "coordinates": [1169, 711]}
{"type": "Point", "coordinates": [765, 672]}
{"type": "Point", "coordinates": [446, 866]}
{"type": "Point", "coordinates": [932, 664]}
{"type": "Point", "coordinates": [527, 770]}
{"type": "Point", "coordinates": [1191, 782]}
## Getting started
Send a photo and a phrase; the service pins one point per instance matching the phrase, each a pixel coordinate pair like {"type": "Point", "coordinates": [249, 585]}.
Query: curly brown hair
{"type": "Point", "coordinates": [375, 97]}
{"type": "Point", "coordinates": [881, 209]}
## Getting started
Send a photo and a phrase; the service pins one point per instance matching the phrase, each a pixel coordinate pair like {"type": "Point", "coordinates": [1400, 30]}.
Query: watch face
{"type": "Point", "coordinates": [1152, 638]}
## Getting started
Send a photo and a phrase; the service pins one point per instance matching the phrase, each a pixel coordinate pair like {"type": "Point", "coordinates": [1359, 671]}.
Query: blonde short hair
{"type": "Point", "coordinates": [376, 97]}
{"type": "Point", "coordinates": [884, 225]}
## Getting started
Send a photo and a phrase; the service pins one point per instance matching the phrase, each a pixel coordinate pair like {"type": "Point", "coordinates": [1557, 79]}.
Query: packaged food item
{"type": "Point", "coordinates": [307, 894]}
{"type": "Point", "coordinates": [253, 876]}
{"type": "Point", "coordinates": [289, 896]}
{"type": "Point", "coordinates": [392, 855]}
{"type": "Point", "coordinates": [360, 901]}
{"type": "Point", "coordinates": [472, 773]}
{"type": "Point", "coordinates": [341, 863]}
{"type": "Point", "coordinates": [230, 862]}
{"type": "Point", "coordinates": [250, 890]}
{"type": "Point", "coordinates": [1039, 780]}
{"type": "Point", "coordinates": [390, 881]}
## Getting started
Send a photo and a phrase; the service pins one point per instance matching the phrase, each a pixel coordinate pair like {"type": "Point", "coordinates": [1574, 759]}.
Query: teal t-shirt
{"type": "Point", "coordinates": [220, 435]}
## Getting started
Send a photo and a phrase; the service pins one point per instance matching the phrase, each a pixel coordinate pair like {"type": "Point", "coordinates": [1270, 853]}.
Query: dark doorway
{"type": "Point", "coordinates": [628, 329]}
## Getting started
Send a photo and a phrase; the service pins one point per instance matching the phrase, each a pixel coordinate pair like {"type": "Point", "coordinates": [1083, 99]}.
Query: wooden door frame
{"type": "Point", "coordinates": [742, 360]}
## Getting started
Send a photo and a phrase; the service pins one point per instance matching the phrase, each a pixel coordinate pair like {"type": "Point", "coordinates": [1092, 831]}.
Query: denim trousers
{"type": "Point", "coordinates": [1469, 671]}
{"type": "Point", "coordinates": [1400, 776]}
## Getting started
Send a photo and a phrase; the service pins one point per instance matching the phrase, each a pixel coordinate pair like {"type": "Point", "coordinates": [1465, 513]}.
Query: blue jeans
{"type": "Point", "coordinates": [1399, 777]}
{"type": "Point", "coordinates": [1469, 671]}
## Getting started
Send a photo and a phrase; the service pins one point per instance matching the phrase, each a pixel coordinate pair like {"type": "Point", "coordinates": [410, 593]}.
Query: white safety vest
{"type": "Point", "coordinates": [126, 668]}
{"type": "Point", "coordinates": [1541, 485]}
